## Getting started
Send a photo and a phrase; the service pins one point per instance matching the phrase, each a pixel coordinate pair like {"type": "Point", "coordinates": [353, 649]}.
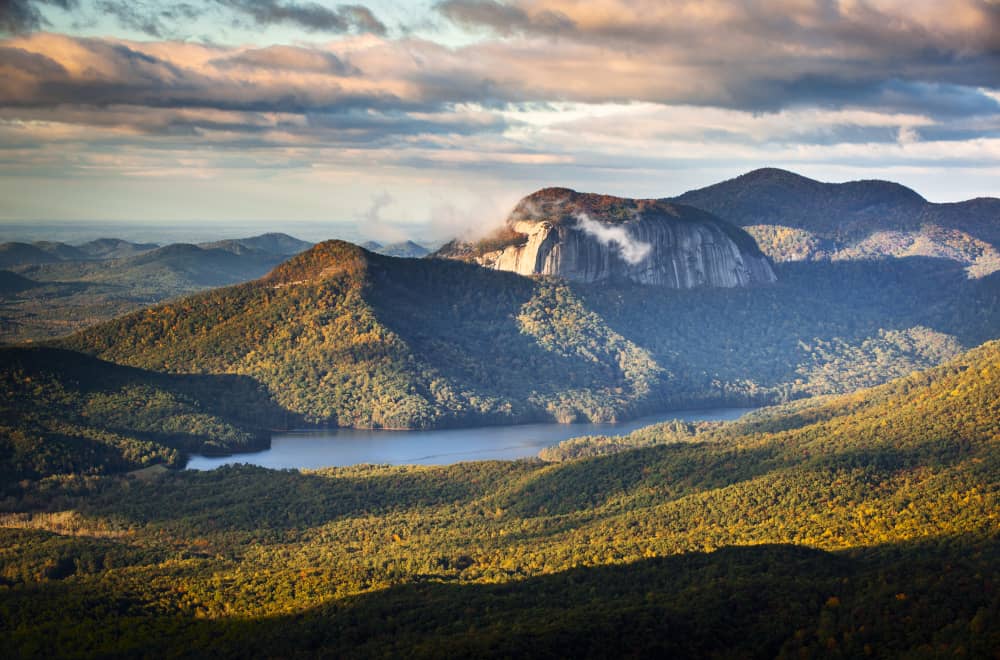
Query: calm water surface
{"type": "Point", "coordinates": [340, 447]}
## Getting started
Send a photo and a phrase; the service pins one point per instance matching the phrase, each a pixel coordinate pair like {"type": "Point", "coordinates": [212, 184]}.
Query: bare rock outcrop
{"type": "Point", "coordinates": [594, 238]}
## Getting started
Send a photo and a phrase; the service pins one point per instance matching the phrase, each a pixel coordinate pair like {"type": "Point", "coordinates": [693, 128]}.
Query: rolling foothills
{"type": "Point", "coordinates": [858, 525]}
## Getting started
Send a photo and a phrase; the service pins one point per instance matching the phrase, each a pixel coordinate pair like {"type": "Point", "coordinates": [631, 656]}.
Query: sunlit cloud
{"type": "Point", "coordinates": [630, 96]}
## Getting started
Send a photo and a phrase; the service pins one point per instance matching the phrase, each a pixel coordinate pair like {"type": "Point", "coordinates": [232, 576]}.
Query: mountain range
{"type": "Point", "coordinates": [856, 518]}
{"type": "Point", "coordinates": [343, 336]}
{"type": "Point", "coordinates": [17, 254]}
{"type": "Point", "coordinates": [408, 249]}
{"type": "Point", "coordinates": [338, 335]}
{"type": "Point", "coordinates": [796, 218]}
{"type": "Point", "coordinates": [62, 287]}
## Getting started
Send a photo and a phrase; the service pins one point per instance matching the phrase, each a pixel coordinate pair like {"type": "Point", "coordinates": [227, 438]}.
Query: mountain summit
{"type": "Point", "coordinates": [794, 218]}
{"type": "Point", "coordinates": [592, 238]}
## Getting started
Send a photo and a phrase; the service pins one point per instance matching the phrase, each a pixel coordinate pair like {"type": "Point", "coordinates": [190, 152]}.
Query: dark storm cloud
{"type": "Point", "coordinates": [936, 99]}
{"type": "Point", "coordinates": [120, 74]}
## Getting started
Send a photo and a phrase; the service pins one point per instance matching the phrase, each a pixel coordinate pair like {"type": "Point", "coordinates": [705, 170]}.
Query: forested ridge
{"type": "Point", "coordinates": [862, 525]}
{"type": "Point", "coordinates": [342, 336]}
{"type": "Point", "coordinates": [66, 413]}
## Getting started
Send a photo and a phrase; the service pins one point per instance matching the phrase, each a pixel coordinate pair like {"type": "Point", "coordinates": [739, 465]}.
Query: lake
{"type": "Point", "coordinates": [340, 447]}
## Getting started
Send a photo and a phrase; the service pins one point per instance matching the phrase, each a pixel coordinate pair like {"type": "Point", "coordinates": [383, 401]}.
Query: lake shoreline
{"type": "Point", "coordinates": [312, 448]}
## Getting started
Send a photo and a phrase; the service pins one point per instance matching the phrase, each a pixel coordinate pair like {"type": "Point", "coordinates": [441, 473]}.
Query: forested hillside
{"type": "Point", "coordinates": [340, 335]}
{"type": "Point", "coordinates": [856, 526]}
{"type": "Point", "coordinates": [65, 413]}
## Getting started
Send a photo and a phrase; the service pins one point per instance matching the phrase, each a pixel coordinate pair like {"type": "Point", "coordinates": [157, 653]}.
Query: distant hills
{"type": "Point", "coordinates": [15, 254]}
{"type": "Point", "coordinates": [44, 252]}
{"type": "Point", "coordinates": [20, 254]}
{"type": "Point", "coordinates": [407, 249]}
{"type": "Point", "coordinates": [114, 248]}
{"type": "Point", "coordinates": [271, 243]}
{"type": "Point", "coordinates": [74, 286]}
{"type": "Point", "coordinates": [796, 218]}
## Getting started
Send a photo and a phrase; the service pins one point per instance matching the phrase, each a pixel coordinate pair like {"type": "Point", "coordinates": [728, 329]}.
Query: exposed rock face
{"type": "Point", "coordinates": [593, 238]}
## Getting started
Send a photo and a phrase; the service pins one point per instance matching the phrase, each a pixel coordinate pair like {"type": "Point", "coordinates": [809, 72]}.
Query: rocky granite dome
{"type": "Point", "coordinates": [592, 238]}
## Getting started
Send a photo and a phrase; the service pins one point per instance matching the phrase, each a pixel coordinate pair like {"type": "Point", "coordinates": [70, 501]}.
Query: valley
{"type": "Point", "coordinates": [853, 513]}
{"type": "Point", "coordinates": [859, 524]}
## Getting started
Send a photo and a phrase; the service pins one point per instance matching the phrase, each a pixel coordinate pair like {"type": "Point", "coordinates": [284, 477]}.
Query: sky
{"type": "Point", "coordinates": [430, 119]}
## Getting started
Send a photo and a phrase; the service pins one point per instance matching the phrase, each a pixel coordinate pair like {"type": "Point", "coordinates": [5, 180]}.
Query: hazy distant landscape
{"type": "Point", "coordinates": [270, 332]}
{"type": "Point", "coordinates": [499, 329]}
{"type": "Point", "coordinates": [49, 289]}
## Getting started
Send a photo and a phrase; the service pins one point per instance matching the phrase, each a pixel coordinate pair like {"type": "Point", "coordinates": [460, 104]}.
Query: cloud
{"type": "Point", "coordinates": [618, 97]}
{"type": "Point", "coordinates": [287, 58]}
{"type": "Point", "coordinates": [19, 16]}
{"type": "Point", "coordinates": [158, 21]}
{"type": "Point", "coordinates": [631, 250]}
{"type": "Point", "coordinates": [309, 16]}
{"type": "Point", "coordinates": [173, 19]}
{"type": "Point", "coordinates": [373, 225]}
{"type": "Point", "coordinates": [888, 55]}
{"type": "Point", "coordinates": [504, 19]}
{"type": "Point", "coordinates": [907, 135]}
{"type": "Point", "coordinates": [752, 55]}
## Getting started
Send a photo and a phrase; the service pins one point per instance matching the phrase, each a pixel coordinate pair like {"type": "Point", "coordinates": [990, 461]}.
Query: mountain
{"type": "Point", "coordinates": [340, 335]}
{"type": "Point", "coordinates": [794, 218]}
{"type": "Point", "coordinates": [43, 252]}
{"type": "Point", "coordinates": [74, 294]}
{"type": "Point", "coordinates": [858, 526]}
{"type": "Point", "coordinates": [407, 249]}
{"type": "Point", "coordinates": [169, 270]}
{"type": "Point", "coordinates": [18, 254]}
{"type": "Point", "coordinates": [594, 238]}
{"type": "Point", "coordinates": [60, 251]}
{"type": "Point", "coordinates": [271, 243]}
{"type": "Point", "coordinates": [114, 248]}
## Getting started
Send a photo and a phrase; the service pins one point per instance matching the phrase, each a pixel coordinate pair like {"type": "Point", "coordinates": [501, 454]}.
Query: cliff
{"type": "Point", "coordinates": [593, 238]}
